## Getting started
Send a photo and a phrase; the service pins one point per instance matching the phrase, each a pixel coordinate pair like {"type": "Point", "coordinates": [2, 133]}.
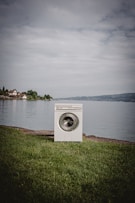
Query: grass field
{"type": "Point", "coordinates": [35, 169]}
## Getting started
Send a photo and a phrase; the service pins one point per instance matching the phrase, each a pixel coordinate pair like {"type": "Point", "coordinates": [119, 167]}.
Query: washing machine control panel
{"type": "Point", "coordinates": [68, 107]}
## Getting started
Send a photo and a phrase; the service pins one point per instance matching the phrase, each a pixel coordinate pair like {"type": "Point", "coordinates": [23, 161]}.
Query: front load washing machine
{"type": "Point", "coordinates": [68, 122]}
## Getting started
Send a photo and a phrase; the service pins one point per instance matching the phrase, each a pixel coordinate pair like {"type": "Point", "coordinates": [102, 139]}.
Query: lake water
{"type": "Point", "coordinates": [104, 119]}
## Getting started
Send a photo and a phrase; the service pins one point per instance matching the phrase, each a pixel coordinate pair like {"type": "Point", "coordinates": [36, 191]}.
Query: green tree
{"type": "Point", "coordinates": [3, 89]}
{"type": "Point", "coordinates": [32, 94]}
{"type": "Point", "coordinates": [47, 97]}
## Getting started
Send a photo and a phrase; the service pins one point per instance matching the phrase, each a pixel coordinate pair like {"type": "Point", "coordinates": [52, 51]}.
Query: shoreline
{"type": "Point", "coordinates": [50, 134]}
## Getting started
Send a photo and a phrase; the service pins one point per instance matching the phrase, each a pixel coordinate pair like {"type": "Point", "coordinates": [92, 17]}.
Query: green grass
{"type": "Point", "coordinates": [35, 169]}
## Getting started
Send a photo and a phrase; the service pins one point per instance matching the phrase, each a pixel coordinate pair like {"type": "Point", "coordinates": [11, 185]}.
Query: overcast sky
{"type": "Point", "coordinates": [68, 47]}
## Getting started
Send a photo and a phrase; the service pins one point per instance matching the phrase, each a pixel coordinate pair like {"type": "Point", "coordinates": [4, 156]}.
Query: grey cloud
{"type": "Point", "coordinates": [62, 14]}
{"type": "Point", "coordinates": [67, 47]}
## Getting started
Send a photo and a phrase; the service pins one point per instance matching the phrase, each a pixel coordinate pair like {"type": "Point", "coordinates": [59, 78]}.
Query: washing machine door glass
{"type": "Point", "coordinates": [68, 121]}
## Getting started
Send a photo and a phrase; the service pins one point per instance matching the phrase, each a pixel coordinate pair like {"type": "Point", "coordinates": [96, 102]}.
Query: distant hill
{"type": "Point", "coordinates": [126, 97]}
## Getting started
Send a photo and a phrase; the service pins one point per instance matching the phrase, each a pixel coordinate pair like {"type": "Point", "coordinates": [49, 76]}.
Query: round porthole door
{"type": "Point", "coordinates": [68, 121]}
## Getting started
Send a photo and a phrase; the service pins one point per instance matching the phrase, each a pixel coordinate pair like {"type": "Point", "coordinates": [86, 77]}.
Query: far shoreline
{"type": "Point", "coordinates": [50, 134]}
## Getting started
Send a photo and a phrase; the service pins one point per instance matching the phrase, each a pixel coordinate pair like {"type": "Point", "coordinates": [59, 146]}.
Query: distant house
{"type": "Point", "coordinates": [23, 96]}
{"type": "Point", "coordinates": [12, 93]}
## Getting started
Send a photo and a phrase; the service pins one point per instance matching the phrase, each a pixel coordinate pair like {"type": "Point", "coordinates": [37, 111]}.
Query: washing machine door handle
{"type": "Point", "coordinates": [68, 121]}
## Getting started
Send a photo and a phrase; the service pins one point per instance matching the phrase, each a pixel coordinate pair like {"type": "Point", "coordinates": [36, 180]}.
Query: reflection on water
{"type": "Point", "coordinates": [104, 119]}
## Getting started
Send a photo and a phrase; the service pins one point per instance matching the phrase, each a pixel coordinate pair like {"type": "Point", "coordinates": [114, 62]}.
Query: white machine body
{"type": "Point", "coordinates": [68, 122]}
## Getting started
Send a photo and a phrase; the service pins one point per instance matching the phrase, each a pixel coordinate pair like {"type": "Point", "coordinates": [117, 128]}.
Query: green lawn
{"type": "Point", "coordinates": [35, 169]}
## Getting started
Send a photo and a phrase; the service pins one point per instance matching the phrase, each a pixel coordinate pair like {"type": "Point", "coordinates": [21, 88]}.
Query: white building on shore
{"type": "Point", "coordinates": [12, 93]}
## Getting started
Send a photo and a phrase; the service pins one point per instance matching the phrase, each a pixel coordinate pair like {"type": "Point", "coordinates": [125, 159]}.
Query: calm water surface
{"type": "Point", "coordinates": [103, 119]}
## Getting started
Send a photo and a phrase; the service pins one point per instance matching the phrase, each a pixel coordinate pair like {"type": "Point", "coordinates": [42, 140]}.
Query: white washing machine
{"type": "Point", "coordinates": [68, 122]}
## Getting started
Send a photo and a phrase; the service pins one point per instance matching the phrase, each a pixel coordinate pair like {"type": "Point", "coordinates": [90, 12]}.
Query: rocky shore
{"type": "Point", "coordinates": [4, 97]}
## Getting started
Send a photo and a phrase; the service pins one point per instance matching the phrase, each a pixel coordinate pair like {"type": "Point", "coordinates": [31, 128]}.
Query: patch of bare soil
{"type": "Point", "coordinates": [102, 139]}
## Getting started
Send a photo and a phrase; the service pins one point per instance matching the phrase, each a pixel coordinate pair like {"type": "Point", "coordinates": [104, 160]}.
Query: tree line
{"type": "Point", "coordinates": [31, 94]}
{"type": "Point", "coordinates": [34, 95]}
